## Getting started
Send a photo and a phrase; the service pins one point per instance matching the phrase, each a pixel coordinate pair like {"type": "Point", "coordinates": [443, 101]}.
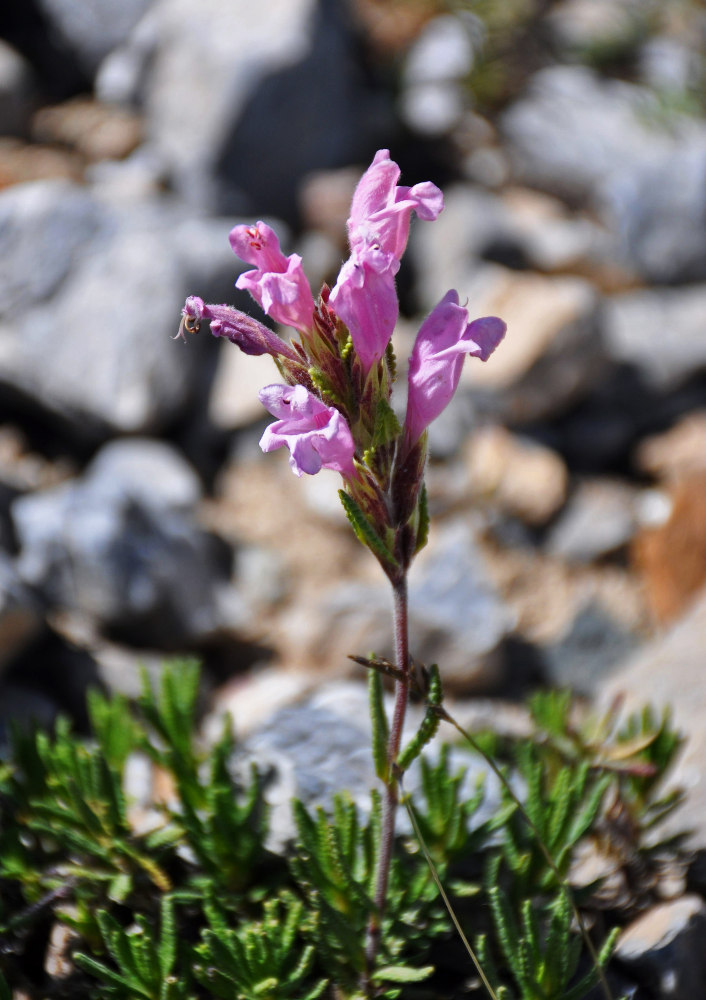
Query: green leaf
{"type": "Point", "coordinates": [423, 519]}
{"type": "Point", "coordinates": [102, 972]}
{"type": "Point", "coordinates": [387, 426]}
{"type": "Point", "coordinates": [401, 974]}
{"type": "Point", "coordinates": [380, 728]}
{"type": "Point", "coordinates": [364, 531]}
{"type": "Point", "coordinates": [120, 888]}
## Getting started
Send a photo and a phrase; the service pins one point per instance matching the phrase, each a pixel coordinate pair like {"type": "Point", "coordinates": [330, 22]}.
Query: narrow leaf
{"type": "Point", "coordinates": [378, 719]}
{"type": "Point", "coordinates": [364, 530]}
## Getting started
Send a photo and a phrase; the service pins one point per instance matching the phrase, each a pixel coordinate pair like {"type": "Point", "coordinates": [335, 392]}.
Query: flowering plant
{"type": "Point", "coordinates": [333, 406]}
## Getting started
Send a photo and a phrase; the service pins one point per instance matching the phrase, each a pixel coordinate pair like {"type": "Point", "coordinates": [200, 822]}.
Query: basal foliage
{"type": "Point", "coordinates": [181, 900]}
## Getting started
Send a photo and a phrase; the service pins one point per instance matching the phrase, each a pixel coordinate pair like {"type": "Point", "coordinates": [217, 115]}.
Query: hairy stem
{"type": "Point", "coordinates": [390, 799]}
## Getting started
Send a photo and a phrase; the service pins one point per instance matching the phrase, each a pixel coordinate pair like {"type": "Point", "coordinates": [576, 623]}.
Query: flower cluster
{"type": "Point", "coordinates": [333, 407]}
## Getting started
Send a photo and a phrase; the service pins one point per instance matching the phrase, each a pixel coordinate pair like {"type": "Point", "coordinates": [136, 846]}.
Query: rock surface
{"type": "Point", "coordinates": [668, 673]}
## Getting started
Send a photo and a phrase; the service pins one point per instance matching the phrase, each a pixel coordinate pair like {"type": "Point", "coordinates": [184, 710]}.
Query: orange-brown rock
{"type": "Point", "coordinates": [672, 556]}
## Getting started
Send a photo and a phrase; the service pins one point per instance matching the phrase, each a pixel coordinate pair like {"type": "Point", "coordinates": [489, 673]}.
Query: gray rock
{"type": "Point", "coordinates": [446, 253]}
{"type": "Point", "coordinates": [20, 613]}
{"type": "Point", "coordinates": [591, 28]}
{"type": "Point", "coordinates": [122, 76]}
{"type": "Point", "coordinates": [553, 355]}
{"type": "Point", "coordinates": [123, 551]}
{"type": "Point", "coordinates": [573, 131]}
{"type": "Point", "coordinates": [229, 130]}
{"type": "Point", "coordinates": [434, 95]}
{"type": "Point", "coordinates": [456, 617]}
{"type": "Point", "coordinates": [660, 332]}
{"type": "Point", "coordinates": [150, 472]}
{"type": "Point", "coordinates": [17, 92]}
{"type": "Point", "coordinates": [94, 293]}
{"type": "Point", "coordinates": [321, 747]}
{"type": "Point", "coordinates": [663, 948]}
{"type": "Point", "coordinates": [44, 227]}
{"type": "Point", "coordinates": [608, 144]}
{"type": "Point", "coordinates": [523, 229]}
{"type": "Point", "coordinates": [91, 30]}
{"type": "Point", "coordinates": [587, 652]}
{"type": "Point", "coordinates": [668, 674]}
{"type": "Point", "coordinates": [658, 209]}
{"type": "Point", "coordinates": [670, 65]}
{"type": "Point", "coordinates": [600, 518]}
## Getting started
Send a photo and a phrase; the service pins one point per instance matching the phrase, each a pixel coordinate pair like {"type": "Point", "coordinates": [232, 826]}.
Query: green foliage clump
{"type": "Point", "coordinates": [180, 899]}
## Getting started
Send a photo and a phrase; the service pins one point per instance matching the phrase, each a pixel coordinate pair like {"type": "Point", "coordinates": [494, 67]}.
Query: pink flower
{"type": "Point", "coordinates": [378, 228]}
{"type": "Point", "coordinates": [278, 283]}
{"type": "Point", "coordinates": [317, 435]}
{"type": "Point", "coordinates": [381, 210]}
{"type": "Point", "coordinates": [444, 339]}
{"type": "Point", "coordinates": [242, 330]}
{"type": "Point", "coordinates": [366, 301]}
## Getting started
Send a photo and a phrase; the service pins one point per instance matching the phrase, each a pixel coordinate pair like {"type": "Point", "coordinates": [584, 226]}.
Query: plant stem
{"type": "Point", "coordinates": [391, 799]}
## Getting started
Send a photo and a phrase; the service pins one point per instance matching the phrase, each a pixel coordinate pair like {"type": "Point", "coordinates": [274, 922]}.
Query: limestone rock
{"type": "Point", "coordinates": [668, 674]}
{"type": "Point", "coordinates": [519, 477]}
{"type": "Point", "coordinates": [662, 948]}
{"type": "Point", "coordinates": [553, 353]}
{"type": "Point", "coordinates": [659, 332]}
{"type": "Point", "coordinates": [600, 518]}
{"type": "Point", "coordinates": [677, 453]}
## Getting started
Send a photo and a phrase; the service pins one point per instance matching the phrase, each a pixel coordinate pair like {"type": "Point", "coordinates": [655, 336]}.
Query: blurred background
{"type": "Point", "coordinates": [567, 480]}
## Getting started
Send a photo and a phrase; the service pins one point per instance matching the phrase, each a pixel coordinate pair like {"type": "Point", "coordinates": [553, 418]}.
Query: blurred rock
{"type": "Point", "coordinates": [678, 452]}
{"type": "Point", "coordinates": [313, 751]}
{"type": "Point", "coordinates": [519, 477]}
{"type": "Point", "coordinates": [234, 160]}
{"type": "Point", "coordinates": [521, 229]}
{"type": "Point", "coordinates": [90, 31]}
{"type": "Point", "coordinates": [17, 92]}
{"type": "Point", "coordinates": [671, 66]}
{"type": "Point", "coordinates": [456, 617]}
{"type": "Point", "coordinates": [150, 471]}
{"type": "Point", "coordinates": [555, 241]}
{"type": "Point", "coordinates": [668, 674]}
{"type": "Point", "coordinates": [44, 229]}
{"type": "Point", "coordinates": [600, 518]}
{"type": "Point", "coordinates": [600, 27]}
{"type": "Point", "coordinates": [20, 612]}
{"type": "Point", "coordinates": [123, 548]}
{"type": "Point", "coordinates": [671, 557]}
{"type": "Point", "coordinates": [573, 130]}
{"type": "Point", "coordinates": [658, 207]}
{"type": "Point", "coordinates": [446, 254]}
{"type": "Point", "coordinates": [607, 143]}
{"type": "Point", "coordinates": [117, 277]}
{"type": "Point", "coordinates": [434, 93]}
{"type": "Point", "coordinates": [233, 401]}
{"type": "Point", "coordinates": [252, 699]}
{"type": "Point", "coordinates": [590, 648]}
{"type": "Point", "coordinates": [553, 353]}
{"type": "Point", "coordinates": [21, 162]}
{"type": "Point", "coordinates": [22, 469]}
{"type": "Point", "coordinates": [320, 747]}
{"type": "Point", "coordinates": [122, 76]}
{"type": "Point", "coordinates": [96, 131]}
{"type": "Point", "coordinates": [663, 949]}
